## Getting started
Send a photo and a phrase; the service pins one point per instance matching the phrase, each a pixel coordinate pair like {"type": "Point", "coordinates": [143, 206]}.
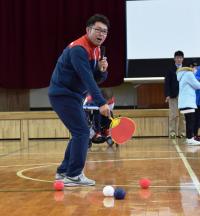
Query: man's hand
{"type": "Point", "coordinates": [103, 64]}
{"type": "Point", "coordinates": [167, 99]}
{"type": "Point", "coordinates": [105, 110]}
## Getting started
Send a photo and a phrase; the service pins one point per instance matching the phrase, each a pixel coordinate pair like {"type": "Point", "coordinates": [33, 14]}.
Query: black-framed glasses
{"type": "Point", "coordinates": [98, 30]}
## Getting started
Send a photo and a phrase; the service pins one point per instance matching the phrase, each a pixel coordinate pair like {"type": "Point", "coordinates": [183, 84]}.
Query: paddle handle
{"type": "Point", "coordinates": [111, 118]}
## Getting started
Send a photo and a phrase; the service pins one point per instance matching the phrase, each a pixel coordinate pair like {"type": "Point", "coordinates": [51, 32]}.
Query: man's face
{"type": "Point", "coordinates": [97, 33]}
{"type": "Point", "coordinates": [178, 60]}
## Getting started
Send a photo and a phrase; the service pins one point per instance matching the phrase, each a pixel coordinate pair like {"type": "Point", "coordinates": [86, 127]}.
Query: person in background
{"type": "Point", "coordinates": [171, 86]}
{"type": "Point", "coordinates": [197, 111]}
{"type": "Point", "coordinates": [187, 100]}
{"type": "Point", "coordinates": [101, 123]}
{"type": "Point", "coordinates": [77, 72]}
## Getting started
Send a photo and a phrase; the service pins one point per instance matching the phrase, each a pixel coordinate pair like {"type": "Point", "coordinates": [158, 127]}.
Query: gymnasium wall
{"type": "Point", "coordinates": [125, 95]}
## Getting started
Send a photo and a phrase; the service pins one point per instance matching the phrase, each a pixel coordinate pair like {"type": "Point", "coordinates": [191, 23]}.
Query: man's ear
{"type": "Point", "coordinates": [87, 30]}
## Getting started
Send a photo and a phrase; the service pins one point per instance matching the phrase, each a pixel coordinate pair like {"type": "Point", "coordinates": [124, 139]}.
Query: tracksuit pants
{"type": "Point", "coordinates": [70, 111]}
{"type": "Point", "coordinates": [197, 121]}
{"type": "Point", "coordinates": [190, 124]}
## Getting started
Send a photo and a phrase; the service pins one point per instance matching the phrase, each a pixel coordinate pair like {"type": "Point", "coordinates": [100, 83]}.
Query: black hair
{"type": "Point", "coordinates": [192, 63]}
{"type": "Point", "coordinates": [179, 53]}
{"type": "Point", "coordinates": [98, 18]}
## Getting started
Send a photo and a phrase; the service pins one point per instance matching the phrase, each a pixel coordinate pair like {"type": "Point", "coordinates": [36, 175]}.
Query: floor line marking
{"type": "Point", "coordinates": [27, 165]}
{"type": "Point", "coordinates": [134, 159]}
{"type": "Point", "coordinates": [98, 161]}
{"type": "Point", "coordinates": [189, 168]}
{"type": "Point", "coordinates": [21, 175]}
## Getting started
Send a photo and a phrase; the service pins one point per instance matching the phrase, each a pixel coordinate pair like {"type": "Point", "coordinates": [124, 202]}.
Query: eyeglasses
{"type": "Point", "coordinates": [103, 31]}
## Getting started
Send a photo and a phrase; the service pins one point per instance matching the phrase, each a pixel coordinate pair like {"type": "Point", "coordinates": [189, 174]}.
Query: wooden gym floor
{"type": "Point", "coordinates": [27, 174]}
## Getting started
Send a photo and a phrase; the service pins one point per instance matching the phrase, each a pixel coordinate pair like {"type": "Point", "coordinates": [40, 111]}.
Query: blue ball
{"type": "Point", "coordinates": [119, 193]}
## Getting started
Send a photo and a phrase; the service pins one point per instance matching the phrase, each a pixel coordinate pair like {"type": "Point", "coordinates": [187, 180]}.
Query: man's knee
{"type": "Point", "coordinates": [82, 133]}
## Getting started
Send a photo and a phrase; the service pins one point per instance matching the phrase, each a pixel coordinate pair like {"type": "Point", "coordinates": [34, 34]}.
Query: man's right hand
{"type": "Point", "coordinates": [167, 99]}
{"type": "Point", "coordinates": [104, 110]}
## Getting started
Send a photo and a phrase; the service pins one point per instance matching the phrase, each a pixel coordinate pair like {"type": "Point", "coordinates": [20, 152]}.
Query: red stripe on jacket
{"type": "Point", "coordinates": [92, 50]}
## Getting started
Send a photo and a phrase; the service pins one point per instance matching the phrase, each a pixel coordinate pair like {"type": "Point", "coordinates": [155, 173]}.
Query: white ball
{"type": "Point", "coordinates": [108, 190]}
{"type": "Point", "coordinates": [109, 202]}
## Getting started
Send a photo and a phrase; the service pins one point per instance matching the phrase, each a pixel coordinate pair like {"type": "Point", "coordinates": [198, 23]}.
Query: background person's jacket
{"type": "Point", "coordinates": [187, 86]}
{"type": "Point", "coordinates": [171, 85]}
{"type": "Point", "coordinates": [197, 75]}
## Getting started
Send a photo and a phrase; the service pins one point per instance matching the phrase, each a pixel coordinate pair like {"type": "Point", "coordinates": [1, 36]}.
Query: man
{"type": "Point", "coordinates": [176, 120]}
{"type": "Point", "coordinates": [77, 70]}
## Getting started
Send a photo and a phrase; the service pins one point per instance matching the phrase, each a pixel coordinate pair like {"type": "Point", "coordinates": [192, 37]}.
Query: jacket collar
{"type": "Point", "coordinates": [184, 69]}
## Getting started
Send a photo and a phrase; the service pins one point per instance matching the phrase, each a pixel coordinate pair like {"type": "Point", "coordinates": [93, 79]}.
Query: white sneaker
{"type": "Point", "coordinates": [192, 141]}
{"type": "Point", "coordinates": [80, 180]}
{"type": "Point", "coordinates": [60, 176]}
{"type": "Point", "coordinates": [192, 149]}
{"type": "Point", "coordinates": [172, 135]}
{"type": "Point", "coordinates": [182, 135]}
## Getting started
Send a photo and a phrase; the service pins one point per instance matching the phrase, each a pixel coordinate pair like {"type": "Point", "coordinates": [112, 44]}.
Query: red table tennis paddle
{"type": "Point", "coordinates": [122, 129]}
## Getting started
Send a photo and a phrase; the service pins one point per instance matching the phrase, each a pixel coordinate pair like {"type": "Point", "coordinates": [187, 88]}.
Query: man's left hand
{"type": "Point", "coordinates": [103, 64]}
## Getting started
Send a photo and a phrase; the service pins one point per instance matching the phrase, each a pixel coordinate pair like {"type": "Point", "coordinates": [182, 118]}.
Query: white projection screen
{"type": "Point", "coordinates": [155, 29]}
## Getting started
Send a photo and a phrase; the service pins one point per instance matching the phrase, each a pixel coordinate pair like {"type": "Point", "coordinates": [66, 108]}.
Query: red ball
{"type": "Point", "coordinates": [58, 185]}
{"type": "Point", "coordinates": [143, 193]}
{"type": "Point", "coordinates": [144, 183]}
{"type": "Point", "coordinates": [59, 196]}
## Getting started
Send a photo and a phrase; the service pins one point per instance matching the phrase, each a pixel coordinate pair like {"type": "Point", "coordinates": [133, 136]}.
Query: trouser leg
{"type": "Point", "coordinates": [71, 112]}
{"type": "Point", "coordinates": [190, 121]}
